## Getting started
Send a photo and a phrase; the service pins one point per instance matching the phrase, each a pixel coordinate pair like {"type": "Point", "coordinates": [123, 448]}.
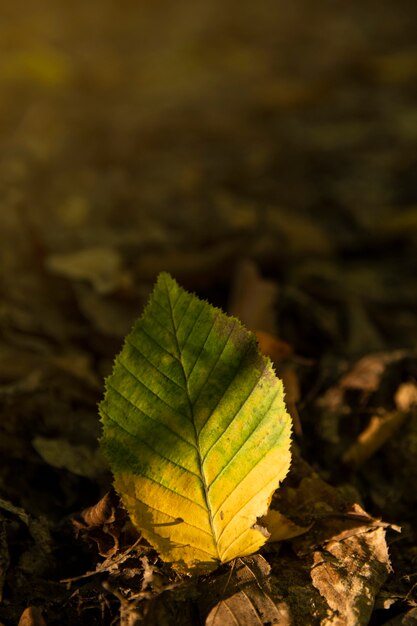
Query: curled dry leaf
{"type": "Point", "coordinates": [103, 523]}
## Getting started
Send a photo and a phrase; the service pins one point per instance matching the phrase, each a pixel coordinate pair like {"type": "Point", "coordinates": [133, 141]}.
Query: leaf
{"type": "Point", "coordinates": [195, 430]}
{"type": "Point", "coordinates": [280, 527]}
{"type": "Point", "coordinates": [245, 600]}
{"type": "Point", "coordinates": [349, 572]}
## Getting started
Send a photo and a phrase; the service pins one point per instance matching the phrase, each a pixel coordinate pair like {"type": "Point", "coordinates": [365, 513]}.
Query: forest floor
{"type": "Point", "coordinates": [265, 155]}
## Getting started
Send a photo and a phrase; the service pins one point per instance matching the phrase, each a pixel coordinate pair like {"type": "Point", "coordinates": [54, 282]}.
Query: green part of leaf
{"type": "Point", "coordinates": [195, 430]}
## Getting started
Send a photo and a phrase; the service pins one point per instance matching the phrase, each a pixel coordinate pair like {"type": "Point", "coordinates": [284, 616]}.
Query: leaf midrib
{"type": "Point", "coordinates": [191, 408]}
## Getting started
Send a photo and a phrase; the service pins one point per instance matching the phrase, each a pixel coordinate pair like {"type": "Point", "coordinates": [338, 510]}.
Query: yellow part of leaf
{"type": "Point", "coordinates": [195, 430]}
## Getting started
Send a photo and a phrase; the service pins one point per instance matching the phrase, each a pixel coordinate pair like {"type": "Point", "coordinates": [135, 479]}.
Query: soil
{"type": "Point", "coordinates": [265, 156]}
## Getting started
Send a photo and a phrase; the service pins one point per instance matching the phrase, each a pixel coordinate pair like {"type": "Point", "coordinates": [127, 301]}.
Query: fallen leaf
{"type": "Point", "coordinates": [99, 266]}
{"type": "Point", "coordinates": [348, 573]}
{"type": "Point", "coordinates": [103, 523]}
{"type": "Point", "coordinates": [346, 549]}
{"type": "Point", "coordinates": [245, 598]}
{"type": "Point", "coordinates": [378, 431]}
{"type": "Point", "coordinates": [76, 458]}
{"type": "Point", "coordinates": [253, 299]}
{"type": "Point", "coordinates": [405, 397]}
{"type": "Point", "coordinates": [281, 527]}
{"type": "Point", "coordinates": [366, 374]}
{"type": "Point", "coordinates": [32, 616]}
{"type": "Point", "coordinates": [278, 350]}
{"type": "Point", "coordinates": [195, 430]}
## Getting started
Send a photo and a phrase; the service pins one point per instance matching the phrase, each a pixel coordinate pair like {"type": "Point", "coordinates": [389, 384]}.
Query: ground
{"type": "Point", "coordinates": [265, 156]}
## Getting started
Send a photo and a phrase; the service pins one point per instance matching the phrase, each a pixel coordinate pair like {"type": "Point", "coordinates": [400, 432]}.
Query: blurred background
{"type": "Point", "coordinates": [189, 136]}
{"type": "Point", "coordinates": [184, 136]}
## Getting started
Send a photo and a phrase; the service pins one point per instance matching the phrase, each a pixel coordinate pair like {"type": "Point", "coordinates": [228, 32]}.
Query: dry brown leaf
{"type": "Point", "coordinates": [253, 298]}
{"type": "Point", "coordinates": [379, 430]}
{"type": "Point", "coordinates": [348, 573]}
{"type": "Point", "coordinates": [291, 382]}
{"type": "Point", "coordinates": [405, 397]}
{"type": "Point", "coordinates": [343, 554]}
{"type": "Point", "coordinates": [245, 598]}
{"type": "Point", "coordinates": [281, 353]}
{"type": "Point", "coordinates": [277, 349]}
{"type": "Point", "coordinates": [32, 616]}
{"type": "Point", "coordinates": [347, 552]}
{"type": "Point", "coordinates": [371, 386]}
{"type": "Point", "coordinates": [280, 527]}
{"type": "Point", "coordinates": [103, 523]}
{"type": "Point", "coordinates": [366, 374]}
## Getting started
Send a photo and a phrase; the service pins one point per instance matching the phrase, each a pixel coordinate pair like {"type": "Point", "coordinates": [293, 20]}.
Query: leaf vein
{"type": "Point", "coordinates": [213, 368]}
{"type": "Point", "coordinates": [242, 404]}
{"type": "Point", "coordinates": [174, 409]}
{"type": "Point", "coordinates": [173, 432]}
{"type": "Point", "coordinates": [272, 480]}
{"type": "Point", "coordinates": [200, 460]}
{"type": "Point", "coordinates": [252, 432]}
{"type": "Point", "coordinates": [193, 325]}
{"type": "Point", "coordinates": [181, 495]}
{"type": "Point", "coordinates": [147, 359]}
{"type": "Point", "coordinates": [255, 610]}
{"type": "Point", "coordinates": [154, 318]}
{"type": "Point", "coordinates": [184, 315]}
{"type": "Point", "coordinates": [147, 445]}
{"type": "Point", "coordinates": [200, 352]}
{"type": "Point", "coordinates": [156, 342]}
{"type": "Point", "coordinates": [168, 514]}
{"type": "Point", "coordinates": [235, 540]}
{"type": "Point", "coordinates": [182, 544]}
{"type": "Point", "coordinates": [161, 306]}
{"type": "Point", "coordinates": [231, 612]}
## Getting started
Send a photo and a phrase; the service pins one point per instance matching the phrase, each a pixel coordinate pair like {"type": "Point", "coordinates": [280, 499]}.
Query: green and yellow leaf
{"type": "Point", "coordinates": [195, 430]}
